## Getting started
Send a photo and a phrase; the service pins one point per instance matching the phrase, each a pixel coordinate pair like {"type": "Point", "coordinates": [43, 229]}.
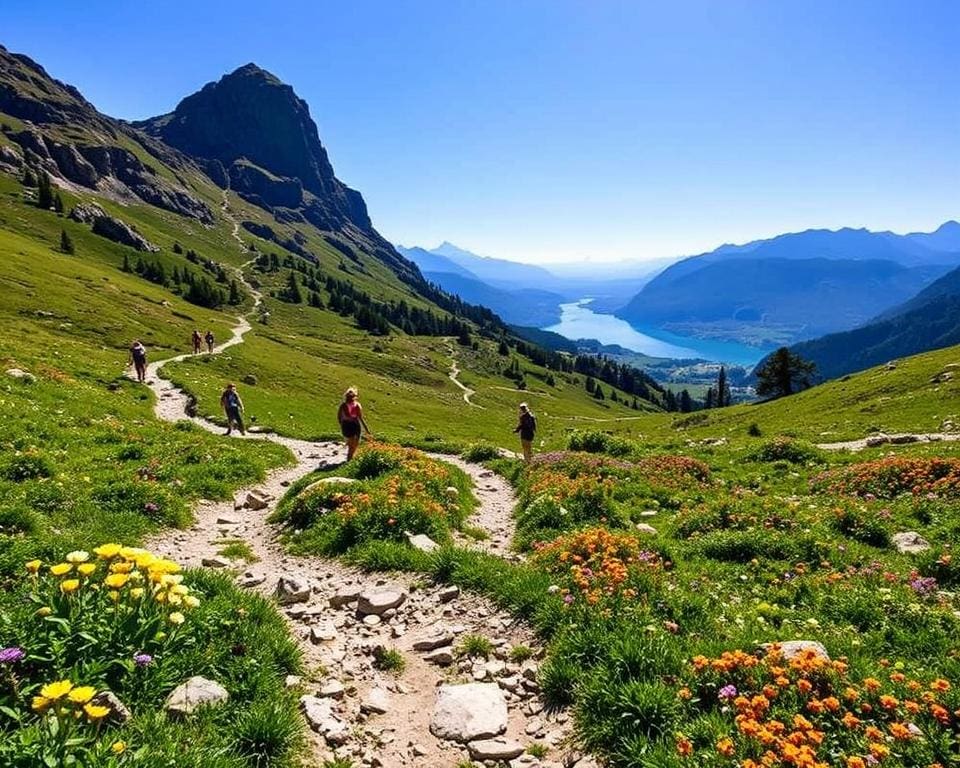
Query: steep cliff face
{"type": "Point", "coordinates": [260, 133]}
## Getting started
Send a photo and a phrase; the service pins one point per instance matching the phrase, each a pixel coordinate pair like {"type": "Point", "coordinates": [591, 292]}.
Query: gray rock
{"type": "Point", "coordinates": [322, 633]}
{"type": "Point", "coordinates": [291, 590]}
{"type": "Point", "coordinates": [469, 712]}
{"type": "Point", "coordinates": [422, 542]}
{"type": "Point", "coordinates": [442, 657]}
{"type": "Point", "coordinates": [344, 597]}
{"type": "Point", "coordinates": [118, 711]}
{"type": "Point", "coordinates": [19, 373]}
{"type": "Point", "coordinates": [449, 593]}
{"type": "Point", "coordinates": [909, 542]}
{"type": "Point", "coordinates": [791, 648]}
{"type": "Point", "coordinates": [121, 232]}
{"type": "Point", "coordinates": [903, 439]}
{"type": "Point", "coordinates": [433, 642]}
{"type": "Point", "coordinates": [876, 440]}
{"type": "Point", "coordinates": [377, 602]}
{"type": "Point", "coordinates": [86, 213]}
{"type": "Point", "coordinates": [332, 689]}
{"type": "Point", "coordinates": [195, 692]}
{"type": "Point", "coordinates": [257, 500]}
{"type": "Point", "coordinates": [377, 701]}
{"type": "Point", "coordinates": [227, 520]}
{"type": "Point", "coordinates": [646, 528]}
{"type": "Point", "coordinates": [292, 681]}
{"type": "Point", "coordinates": [321, 719]}
{"type": "Point", "coordinates": [495, 749]}
{"type": "Point", "coordinates": [215, 562]}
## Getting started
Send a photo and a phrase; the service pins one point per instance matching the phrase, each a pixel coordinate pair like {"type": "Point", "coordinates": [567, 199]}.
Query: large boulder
{"type": "Point", "coordinates": [469, 712]}
{"type": "Point", "coordinates": [377, 602]}
{"type": "Point", "coordinates": [86, 213]}
{"type": "Point", "coordinates": [909, 542]}
{"type": "Point", "coordinates": [121, 232]}
{"type": "Point", "coordinates": [793, 648]}
{"type": "Point", "coordinates": [196, 692]}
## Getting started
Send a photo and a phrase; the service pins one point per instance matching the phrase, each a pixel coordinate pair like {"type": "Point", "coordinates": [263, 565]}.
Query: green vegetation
{"type": "Point", "coordinates": [474, 646]}
{"type": "Point", "coordinates": [389, 660]}
{"type": "Point", "coordinates": [237, 549]}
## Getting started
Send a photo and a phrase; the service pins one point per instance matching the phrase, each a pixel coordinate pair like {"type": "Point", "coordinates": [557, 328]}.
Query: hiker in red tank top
{"type": "Point", "coordinates": [350, 416]}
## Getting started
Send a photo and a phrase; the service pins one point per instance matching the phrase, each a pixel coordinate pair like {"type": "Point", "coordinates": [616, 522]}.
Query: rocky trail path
{"type": "Point", "coordinates": [454, 377]}
{"type": "Point", "coordinates": [443, 708]}
{"type": "Point", "coordinates": [875, 441]}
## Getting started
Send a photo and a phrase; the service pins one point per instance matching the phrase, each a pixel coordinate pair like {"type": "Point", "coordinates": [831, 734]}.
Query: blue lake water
{"type": "Point", "coordinates": [578, 321]}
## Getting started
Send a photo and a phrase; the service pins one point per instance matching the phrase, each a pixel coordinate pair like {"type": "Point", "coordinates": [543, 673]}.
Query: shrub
{"type": "Point", "coordinates": [478, 453]}
{"type": "Point", "coordinates": [595, 441]}
{"type": "Point", "coordinates": [474, 646]}
{"type": "Point", "coordinates": [389, 660]}
{"type": "Point", "coordinates": [786, 449]}
{"type": "Point", "coordinates": [888, 478]}
{"type": "Point", "coordinates": [861, 524]}
{"type": "Point", "coordinates": [744, 546]}
{"type": "Point", "coordinates": [268, 733]}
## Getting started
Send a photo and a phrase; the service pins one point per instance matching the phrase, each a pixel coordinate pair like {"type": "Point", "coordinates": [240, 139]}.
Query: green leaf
{"type": "Point", "coordinates": [11, 713]}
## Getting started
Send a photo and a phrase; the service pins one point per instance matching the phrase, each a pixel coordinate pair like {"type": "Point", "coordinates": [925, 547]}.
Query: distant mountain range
{"type": "Point", "coordinates": [795, 286]}
{"type": "Point", "coordinates": [930, 320]}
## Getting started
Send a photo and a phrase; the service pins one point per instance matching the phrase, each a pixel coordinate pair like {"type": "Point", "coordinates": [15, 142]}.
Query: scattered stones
{"type": "Point", "coordinates": [468, 712]}
{"type": "Point", "coordinates": [449, 593]}
{"type": "Point", "coordinates": [291, 590]}
{"type": "Point", "coordinates": [227, 520]}
{"type": "Point", "coordinates": [442, 657]}
{"type": "Point", "coordinates": [646, 528]}
{"type": "Point", "coordinates": [196, 692]}
{"type": "Point", "coordinates": [332, 689]}
{"type": "Point", "coordinates": [257, 500]}
{"type": "Point", "coordinates": [372, 620]}
{"type": "Point", "coordinates": [792, 648]}
{"type": "Point", "coordinates": [86, 213]}
{"type": "Point", "coordinates": [377, 701]}
{"type": "Point", "coordinates": [909, 542]}
{"type": "Point", "coordinates": [344, 597]}
{"type": "Point", "coordinates": [250, 580]}
{"type": "Point", "coordinates": [377, 602]}
{"type": "Point", "coordinates": [434, 642]}
{"type": "Point", "coordinates": [495, 749]}
{"type": "Point", "coordinates": [904, 439]}
{"type": "Point", "coordinates": [876, 440]}
{"type": "Point", "coordinates": [422, 542]}
{"type": "Point", "coordinates": [118, 711]}
{"type": "Point", "coordinates": [321, 719]}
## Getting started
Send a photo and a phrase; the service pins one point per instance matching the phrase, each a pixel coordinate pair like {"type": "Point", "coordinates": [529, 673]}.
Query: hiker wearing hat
{"type": "Point", "coordinates": [233, 408]}
{"type": "Point", "coordinates": [527, 427]}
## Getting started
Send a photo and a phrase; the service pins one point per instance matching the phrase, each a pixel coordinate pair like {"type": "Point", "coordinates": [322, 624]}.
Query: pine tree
{"type": "Point", "coordinates": [502, 348]}
{"type": "Point", "coordinates": [315, 300]}
{"type": "Point", "coordinates": [591, 385]}
{"type": "Point", "coordinates": [292, 292]}
{"type": "Point", "coordinates": [29, 178]}
{"type": "Point", "coordinates": [598, 393]}
{"type": "Point", "coordinates": [58, 203]}
{"type": "Point", "coordinates": [234, 293]}
{"type": "Point", "coordinates": [464, 337]}
{"type": "Point", "coordinates": [177, 248]}
{"type": "Point", "coordinates": [44, 192]}
{"type": "Point", "coordinates": [724, 396]}
{"type": "Point", "coordinates": [784, 373]}
{"type": "Point", "coordinates": [711, 399]}
{"type": "Point", "coordinates": [126, 264]}
{"type": "Point", "coordinates": [685, 402]}
{"type": "Point", "coordinates": [66, 244]}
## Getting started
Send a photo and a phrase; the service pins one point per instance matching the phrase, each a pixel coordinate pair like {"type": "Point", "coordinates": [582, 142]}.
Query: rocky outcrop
{"type": "Point", "coordinates": [121, 232]}
{"type": "Point", "coordinates": [11, 161]}
{"type": "Point", "coordinates": [86, 213]}
{"type": "Point", "coordinates": [263, 188]}
{"type": "Point", "coordinates": [266, 232]}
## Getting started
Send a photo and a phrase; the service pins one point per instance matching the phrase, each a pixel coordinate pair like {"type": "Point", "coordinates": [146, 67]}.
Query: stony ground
{"type": "Point", "coordinates": [443, 708]}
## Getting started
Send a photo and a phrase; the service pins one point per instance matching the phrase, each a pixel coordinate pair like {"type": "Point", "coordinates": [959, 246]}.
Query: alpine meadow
{"type": "Point", "coordinates": [636, 550]}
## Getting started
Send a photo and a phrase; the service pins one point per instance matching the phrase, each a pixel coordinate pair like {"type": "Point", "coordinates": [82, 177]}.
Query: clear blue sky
{"type": "Point", "coordinates": [558, 130]}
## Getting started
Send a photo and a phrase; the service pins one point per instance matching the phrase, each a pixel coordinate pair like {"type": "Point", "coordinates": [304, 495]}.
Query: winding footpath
{"type": "Point", "coordinates": [881, 439]}
{"type": "Point", "coordinates": [453, 376]}
{"type": "Point", "coordinates": [354, 710]}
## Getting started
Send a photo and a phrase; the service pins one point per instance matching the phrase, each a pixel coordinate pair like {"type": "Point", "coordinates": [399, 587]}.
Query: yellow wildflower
{"type": "Point", "coordinates": [176, 618]}
{"type": "Point", "coordinates": [95, 712]}
{"type": "Point", "coordinates": [136, 593]}
{"type": "Point", "coordinates": [86, 568]}
{"type": "Point", "coordinates": [190, 601]}
{"type": "Point", "coordinates": [82, 694]}
{"type": "Point", "coordinates": [61, 569]}
{"type": "Point", "coordinates": [130, 553]}
{"type": "Point", "coordinates": [121, 567]}
{"type": "Point", "coordinates": [69, 586]}
{"type": "Point", "coordinates": [114, 595]}
{"type": "Point", "coordinates": [78, 556]}
{"type": "Point", "coordinates": [57, 690]}
{"type": "Point", "coordinates": [44, 611]}
{"type": "Point", "coordinates": [164, 566]}
{"type": "Point", "coordinates": [170, 579]}
{"type": "Point", "coordinates": [173, 598]}
{"type": "Point", "coordinates": [179, 589]}
{"type": "Point", "coordinates": [40, 703]}
{"type": "Point", "coordinates": [116, 580]}
{"type": "Point", "coordinates": [33, 566]}
{"type": "Point", "coordinates": [107, 551]}
{"type": "Point", "coordinates": [145, 560]}
{"type": "Point", "coordinates": [118, 747]}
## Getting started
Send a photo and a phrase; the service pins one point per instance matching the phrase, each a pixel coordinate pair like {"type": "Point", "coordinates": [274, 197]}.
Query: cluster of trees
{"type": "Point", "coordinates": [784, 373]}
{"type": "Point", "coordinates": [719, 396]}
{"type": "Point", "coordinates": [679, 402]}
{"type": "Point", "coordinates": [196, 289]}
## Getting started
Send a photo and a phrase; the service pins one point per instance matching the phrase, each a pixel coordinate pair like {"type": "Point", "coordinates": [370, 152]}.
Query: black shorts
{"type": "Point", "coordinates": [527, 437]}
{"type": "Point", "coordinates": [350, 428]}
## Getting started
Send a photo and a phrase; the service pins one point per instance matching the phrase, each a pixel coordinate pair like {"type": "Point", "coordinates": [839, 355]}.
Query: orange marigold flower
{"type": "Point", "coordinates": [889, 702]}
{"type": "Point", "coordinates": [940, 685]}
{"type": "Point", "coordinates": [850, 721]}
{"type": "Point", "coordinates": [856, 762]}
{"type": "Point", "coordinates": [725, 747]}
{"type": "Point", "coordinates": [871, 684]}
{"type": "Point", "coordinates": [832, 703]}
{"type": "Point", "coordinates": [851, 694]}
{"type": "Point", "coordinates": [900, 732]}
{"type": "Point", "coordinates": [879, 751]}
{"type": "Point", "coordinates": [804, 685]}
{"type": "Point", "coordinates": [873, 733]}
{"type": "Point", "coordinates": [684, 746]}
{"type": "Point", "coordinates": [684, 693]}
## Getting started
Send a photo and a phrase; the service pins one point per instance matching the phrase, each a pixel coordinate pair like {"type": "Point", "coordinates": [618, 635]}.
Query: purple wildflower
{"type": "Point", "coordinates": [568, 599]}
{"type": "Point", "coordinates": [150, 507]}
{"type": "Point", "coordinates": [727, 692]}
{"type": "Point", "coordinates": [142, 659]}
{"type": "Point", "coordinates": [924, 585]}
{"type": "Point", "coordinates": [11, 655]}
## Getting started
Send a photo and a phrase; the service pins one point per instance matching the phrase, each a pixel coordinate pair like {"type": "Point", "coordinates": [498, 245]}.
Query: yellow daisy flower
{"type": "Point", "coordinates": [56, 691]}
{"type": "Point", "coordinates": [136, 593]}
{"type": "Point", "coordinates": [85, 569]}
{"type": "Point", "coordinates": [121, 567]}
{"type": "Point", "coordinates": [44, 611]}
{"type": "Point", "coordinates": [61, 569]}
{"type": "Point", "coordinates": [78, 556]}
{"type": "Point", "coordinates": [118, 747]}
{"type": "Point", "coordinates": [116, 580]}
{"type": "Point", "coordinates": [107, 551]}
{"type": "Point", "coordinates": [190, 601]}
{"type": "Point", "coordinates": [40, 703]}
{"type": "Point", "coordinates": [69, 586]}
{"type": "Point", "coordinates": [176, 618]}
{"type": "Point", "coordinates": [82, 694]}
{"type": "Point", "coordinates": [95, 712]}
{"type": "Point", "coordinates": [33, 566]}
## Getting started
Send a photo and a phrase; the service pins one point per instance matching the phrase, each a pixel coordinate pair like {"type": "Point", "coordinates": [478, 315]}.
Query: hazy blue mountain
{"type": "Point", "coordinates": [930, 320]}
{"type": "Point", "coordinates": [945, 238]}
{"type": "Point", "coordinates": [522, 307]}
{"type": "Point", "coordinates": [791, 287]}
{"type": "Point", "coordinates": [498, 272]}
{"type": "Point", "coordinates": [434, 262]}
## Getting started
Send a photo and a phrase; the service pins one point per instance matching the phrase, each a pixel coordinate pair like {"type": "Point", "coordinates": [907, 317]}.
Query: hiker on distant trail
{"type": "Point", "coordinates": [197, 340]}
{"type": "Point", "coordinates": [527, 427]}
{"type": "Point", "coordinates": [138, 358]}
{"type": "Point", "coordinates": [209, 339]}
{"type": "Point", "coordinates": [350, 416]}
{"type": "Point", "coordinates": [233, 408]}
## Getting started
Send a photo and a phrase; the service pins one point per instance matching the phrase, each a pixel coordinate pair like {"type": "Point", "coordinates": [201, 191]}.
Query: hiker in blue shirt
{"type": "Point", "coordinates": [233, 408]}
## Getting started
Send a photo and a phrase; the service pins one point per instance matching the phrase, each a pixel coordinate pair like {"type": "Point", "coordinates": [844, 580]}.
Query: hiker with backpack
{"type": "Point", "coordinates": [138, 358]}
{"type": "Point", "coordinates": [350, 416]}
{"type": "Point", "coordinates": [209, 339]}
{"type": "Point", "coordinates": [527, 427]}
{"type": "Point", "coordinates": [196, 341]}
{"type": "Point", "coordinates": [233, 408]}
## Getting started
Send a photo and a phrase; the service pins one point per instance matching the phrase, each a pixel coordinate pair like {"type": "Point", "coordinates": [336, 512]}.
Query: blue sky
{"type": "Point", "coordinates": [554, 130]}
